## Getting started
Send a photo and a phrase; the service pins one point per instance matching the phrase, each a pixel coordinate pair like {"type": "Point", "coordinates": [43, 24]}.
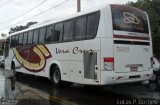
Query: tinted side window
{"type": "Point", "coordinates": [35, 36]}
{"type": "Point", "coordinates": [68, 30]}
{"type": "Point", "coordinates": [49, 34]}
{"type": "Point", "coordinates": [80, 27]}
{"type": "Point", "coordinates": [92, 24]}
{"type": "Point", "coordinates": [30, 37]}
{"type": "Point", "coordinates": [58, 32]}
{"type": "Point", "coordinates": [17, 42]}
{"type": "Point", "coordinates": [21, 39]}
{"type": "Point", "coordinates": [25, 38]}
{"type": "Point", "coordinates": [13, 41]}
{"type": "Point", "coordinates": [6, 50]}
{"type": "Point", "coordinates": [42, 33]}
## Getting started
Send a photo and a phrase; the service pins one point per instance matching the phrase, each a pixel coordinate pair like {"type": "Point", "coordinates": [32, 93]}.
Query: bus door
{"type": "Point", "coordinates": [132, 47]}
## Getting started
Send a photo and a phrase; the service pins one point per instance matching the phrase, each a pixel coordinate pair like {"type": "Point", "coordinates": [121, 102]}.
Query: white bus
{"type": "Point", "coordinates": [107, 45]}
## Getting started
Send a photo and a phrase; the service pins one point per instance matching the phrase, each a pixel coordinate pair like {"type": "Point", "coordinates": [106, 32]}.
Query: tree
{"type": "Point", "coordinates": [152, 7]}
{"type": "Point", "coordinates": [19, 28]}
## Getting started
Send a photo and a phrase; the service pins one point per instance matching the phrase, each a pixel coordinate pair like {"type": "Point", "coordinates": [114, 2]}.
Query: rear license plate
{"type": "Point", "coordinates": [133, 69]}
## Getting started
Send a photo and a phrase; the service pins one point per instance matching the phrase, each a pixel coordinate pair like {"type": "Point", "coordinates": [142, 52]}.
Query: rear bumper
{"type": "Point", "coordinates": [110, 77]}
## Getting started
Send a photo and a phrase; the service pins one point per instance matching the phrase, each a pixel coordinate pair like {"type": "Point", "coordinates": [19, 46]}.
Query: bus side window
{"type": "Point", "coordinates": [92, 24]}
{"type": "Point", "coordinates": [12, 41]}
{"type": "Point", "coordinates": [35, 36]}
{"type": "Point", "coordinates": [21, 39]}
{"type": "Point", "coordinates": [80, 27]}
{"type": "Point", "coordinates": [42, 34]}
{"type": "Point", "coordinates": [68, 30]}
{"type": "Point", "coordinates": [17, 41]}
{"type": "Point", "coordinates": [49, 34]}
{"type": "Point", "coordinates": [58, 32]}
{"type": "Point", "coordinates": [6, 50]}
{"type": "Point", "coordinates": [30, 38]}
{"type": "Point", "coordinates": [25, 38]}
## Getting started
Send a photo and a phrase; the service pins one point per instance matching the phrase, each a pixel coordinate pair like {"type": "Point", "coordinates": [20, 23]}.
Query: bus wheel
{"type": "Point", "coordinates": [56, 77]}
{"type": "Point", "coordinates": [13, 69]}
{"type": "Point", "coordinates": [154, 77]}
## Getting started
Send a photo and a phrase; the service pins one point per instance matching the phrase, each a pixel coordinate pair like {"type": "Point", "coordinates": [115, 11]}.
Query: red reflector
{"type": "Point", "coordinates": [118, 78]}
{"type": "Point", "coordinates": [97, 81]}
{"type": "Point", "coordinates": [108, 59]}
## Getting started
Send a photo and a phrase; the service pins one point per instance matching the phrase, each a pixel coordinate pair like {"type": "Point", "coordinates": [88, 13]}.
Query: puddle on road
{"type": "Point", "coordinates": [25, 95]}
{"type": "Point", "coordinates": [15, 94]}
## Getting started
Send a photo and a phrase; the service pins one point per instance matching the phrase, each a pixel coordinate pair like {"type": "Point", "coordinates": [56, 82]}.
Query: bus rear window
{"type": "Point", "coordinates": [129, 19]}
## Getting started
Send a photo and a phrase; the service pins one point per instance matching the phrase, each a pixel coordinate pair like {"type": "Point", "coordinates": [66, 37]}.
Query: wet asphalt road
{"type": "Point", "coordinates": [69, 95]}
{"type": "Point", "coordinates": [31, 90]}
{"type": "Point", "coordinates": [80, 95]}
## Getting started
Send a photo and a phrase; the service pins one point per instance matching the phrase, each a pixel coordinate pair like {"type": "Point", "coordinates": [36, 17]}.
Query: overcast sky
{"type": "Point", "coordinates": [10, 9]}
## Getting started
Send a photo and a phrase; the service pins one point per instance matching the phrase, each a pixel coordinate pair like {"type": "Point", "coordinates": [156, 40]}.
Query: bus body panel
{"type": "Point", "coordinates": [66, 54]}
{"type": "Point", "coordinates": [94, 57]}
{"type": "Point", "coordinates": [129, 56]}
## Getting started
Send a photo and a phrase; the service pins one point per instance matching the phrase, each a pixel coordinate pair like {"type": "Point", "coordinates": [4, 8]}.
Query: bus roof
{"type": "Point", "coordinates": [59, 19]}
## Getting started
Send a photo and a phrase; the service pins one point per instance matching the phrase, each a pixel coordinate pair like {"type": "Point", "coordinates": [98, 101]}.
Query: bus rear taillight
{"type": "Point", "coordinates": [109, 64]}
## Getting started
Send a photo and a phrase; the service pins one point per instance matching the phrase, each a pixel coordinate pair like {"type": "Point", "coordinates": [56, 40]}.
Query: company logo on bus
{"type": "Point", "coordinates": [33, 58]}
{"type": "Point", "coordinates": [130, 18]}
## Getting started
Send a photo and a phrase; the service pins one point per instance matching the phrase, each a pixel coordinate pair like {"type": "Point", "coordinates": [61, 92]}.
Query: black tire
{"type": "Point", "coordinates": [158, 80]}
{"type": "Point", "coordinates": [153, 78]}
{"type": "Point", "coordinates": [13, 69]}
{"type": "Point", "coordinates": [56, 76]}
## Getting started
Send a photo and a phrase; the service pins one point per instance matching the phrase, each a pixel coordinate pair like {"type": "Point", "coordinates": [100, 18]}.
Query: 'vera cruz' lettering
{"type": "Point", "coordinates": [75, 50]}
{"type": "Point", "coordinates": [59, 51]}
